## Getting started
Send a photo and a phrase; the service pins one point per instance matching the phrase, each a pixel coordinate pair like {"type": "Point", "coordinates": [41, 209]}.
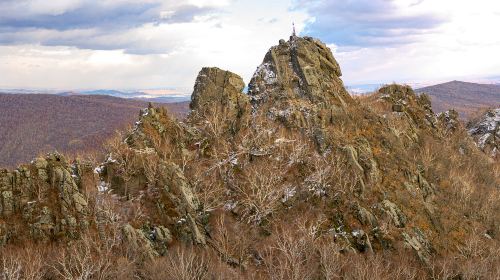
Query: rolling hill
{"type": "Point", "coordinates": [465, 98]}
{"type": "Point", "coordinates": [32, 124]}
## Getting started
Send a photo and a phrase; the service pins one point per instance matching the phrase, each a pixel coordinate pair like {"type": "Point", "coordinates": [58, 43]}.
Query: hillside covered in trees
{"type": "Point", "coordinates": [34, 124]}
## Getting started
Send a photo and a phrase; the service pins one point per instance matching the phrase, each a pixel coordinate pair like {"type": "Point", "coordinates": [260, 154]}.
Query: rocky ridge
{"type": "Point", "coordinates": [297, 155]}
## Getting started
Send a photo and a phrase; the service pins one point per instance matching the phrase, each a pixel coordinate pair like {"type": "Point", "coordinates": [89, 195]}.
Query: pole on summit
{"type": "Point", "coordinates": [293, 30]}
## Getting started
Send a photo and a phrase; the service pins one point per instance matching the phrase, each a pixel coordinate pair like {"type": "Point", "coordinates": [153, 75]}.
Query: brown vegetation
{"type": "Point", "coordinates": [296, 180]}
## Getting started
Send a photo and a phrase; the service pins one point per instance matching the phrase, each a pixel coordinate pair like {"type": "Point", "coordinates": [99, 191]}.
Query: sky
{"type": "Point", "coordinates": [157, 44]}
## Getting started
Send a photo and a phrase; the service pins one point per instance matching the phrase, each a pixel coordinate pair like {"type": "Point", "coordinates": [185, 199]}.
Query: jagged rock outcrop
{"type": "Point", "coordinates": [142, 172]}
{"type": "Point", "coordinates": [47, 197]}
{"type": "Point", "coordinates": [148, 242]}
{"type": "Point", "coordinates": [405, 102]}
{"type": "Point", "coordinates": [486, 132]}
{"type": "Point", "coordinates": [218, 95]}
{"type": "Point", "coordinates": [156, 129]}
{"type": "Point", "coordinates": [449, 121]}
{"type": "Point", "coordinates": [418, 242]}
{"type": "Point", "coordinates": [301, 67]}
{"type": "Point", "coordinates": [398, 217]}
{"type": "Point", "coordinates": [297, 162]}
{"type": "Point", "coordinates": [364, 216]}
{"type": "Point", "coordinates": [299, 80]}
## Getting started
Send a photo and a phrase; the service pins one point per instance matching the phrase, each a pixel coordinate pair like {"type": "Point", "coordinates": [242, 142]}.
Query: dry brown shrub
{"type": "Point", "coordinates": [87, 258]}
{"type": "Point", "coordinates": [184, 263]}
{"type": "Point", "coordinates": [27, 262]}
{"type": "Point", "coordinates": [260, 196]}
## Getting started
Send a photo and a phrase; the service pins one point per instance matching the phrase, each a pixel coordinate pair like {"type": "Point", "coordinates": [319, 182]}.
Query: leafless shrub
{"type": "Point", "coordinates": [260, 195]}
{"type": "Point", "coordinates": [124, 269]}
{"type": "Point", "coordinates": [290, 258]}
{"type": "Point", "coordinates": [149, 163]}
{"type": "Point", "coordinates": [85, 259]}
{"type": "Point", "coordinates": [231, 245]}
{"type": "Point", "coordinates": [22, 263]}
{"type": "Point", "coordinates": [180, 264]}
{"type": "Point", "coordinates": [11, 268]}
{"type": "Point", "coordinates": [330, 175]}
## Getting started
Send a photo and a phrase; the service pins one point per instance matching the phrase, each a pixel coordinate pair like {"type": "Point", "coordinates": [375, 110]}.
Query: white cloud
{"type": "Point", "coordinates": [235, 35]}
{"type": "Point", "coordinates": [464, 47]}
{"type": "Point", "coordinates": [151, 55]}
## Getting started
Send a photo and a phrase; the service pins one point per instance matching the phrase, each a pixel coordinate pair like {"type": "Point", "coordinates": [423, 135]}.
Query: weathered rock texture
{"type": "Point", "coordinates": [218, 95]}
{"type": "Point", "coordinates": [44, 200]}
{"type": "Point", "coordinates": [299, 80]}
{"type": "Point", "coordinates": [297, 155]}
{"type": "Point", "coordinates": [486, 132]}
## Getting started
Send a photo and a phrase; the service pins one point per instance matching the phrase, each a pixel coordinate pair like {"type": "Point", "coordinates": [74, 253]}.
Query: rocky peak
{"type": "Point", "coordinates": [216, 85]}
{"type": "Point", "coordinates": [219, 93]}
{"type": "Point", "coordinates": [303, 67]}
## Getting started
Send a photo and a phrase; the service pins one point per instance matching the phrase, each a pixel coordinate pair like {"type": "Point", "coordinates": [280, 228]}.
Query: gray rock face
{"type": "Point", "coordinates": [154, 124]}
{"type": "Point", "coordinates": [175, 188]}
{"type": "Point", "coordinates": [148, 242]}
{"type": "Point", "coordinates": [214, 85]}
{"type": "Point", "coordinates": [8, 203]}
{"type": "Point", "coordinates": [301, 67]}
{"type": "Point", "coordinates": [397, 216]}
{"type": "Point", "coordinates": [138, 241]}
{"type": "Point", "coordinates": [486, 132]}
{"type": "Point", "coordinates": [449, 121]}
{"type": "Point", "coordinates": [419, 243]}
{"type": "Point", "coordinates": [299, 84]}
{"type": "Point", "coordinates": [364, 216]}
{"type": "Point", "coordinates": [361, 159]}
{"type": "Point", "coordinates": [172, 207]}
{"type": "Point", "coordinates": [45, 195]}
{"type": "Point", "coordinates": [416, 108]}
{"type": "Point", "coordinates": [218, 93]}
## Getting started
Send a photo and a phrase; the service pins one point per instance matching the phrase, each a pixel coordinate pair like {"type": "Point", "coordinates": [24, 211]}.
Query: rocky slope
{"type": "Point", "coordinates": [290, 181]}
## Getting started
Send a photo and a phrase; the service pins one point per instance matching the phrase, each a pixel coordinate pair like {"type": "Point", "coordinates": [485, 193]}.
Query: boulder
{"type": "Point", "coordinates": [137, 241]}
{"type": "Point", "coordinates": [364, 216]}
{"type": "Point", "coordinates": [420, 244]}
{"type": "Point", "coordinates": [398, 217]}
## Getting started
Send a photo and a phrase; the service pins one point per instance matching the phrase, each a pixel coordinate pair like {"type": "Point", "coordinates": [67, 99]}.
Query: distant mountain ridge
{"type": "Point", "coordinates": [466, 98]}
{"type": "Point", "coordinates": [141, 95]}
{"type": "Point", "coordinates": [138, 95]}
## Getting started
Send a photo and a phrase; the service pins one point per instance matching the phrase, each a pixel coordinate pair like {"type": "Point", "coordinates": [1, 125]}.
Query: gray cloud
{"type": "Point", "coordinates": [91, 24]}
{"type": "Point", "coordinates": [365, 23]}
